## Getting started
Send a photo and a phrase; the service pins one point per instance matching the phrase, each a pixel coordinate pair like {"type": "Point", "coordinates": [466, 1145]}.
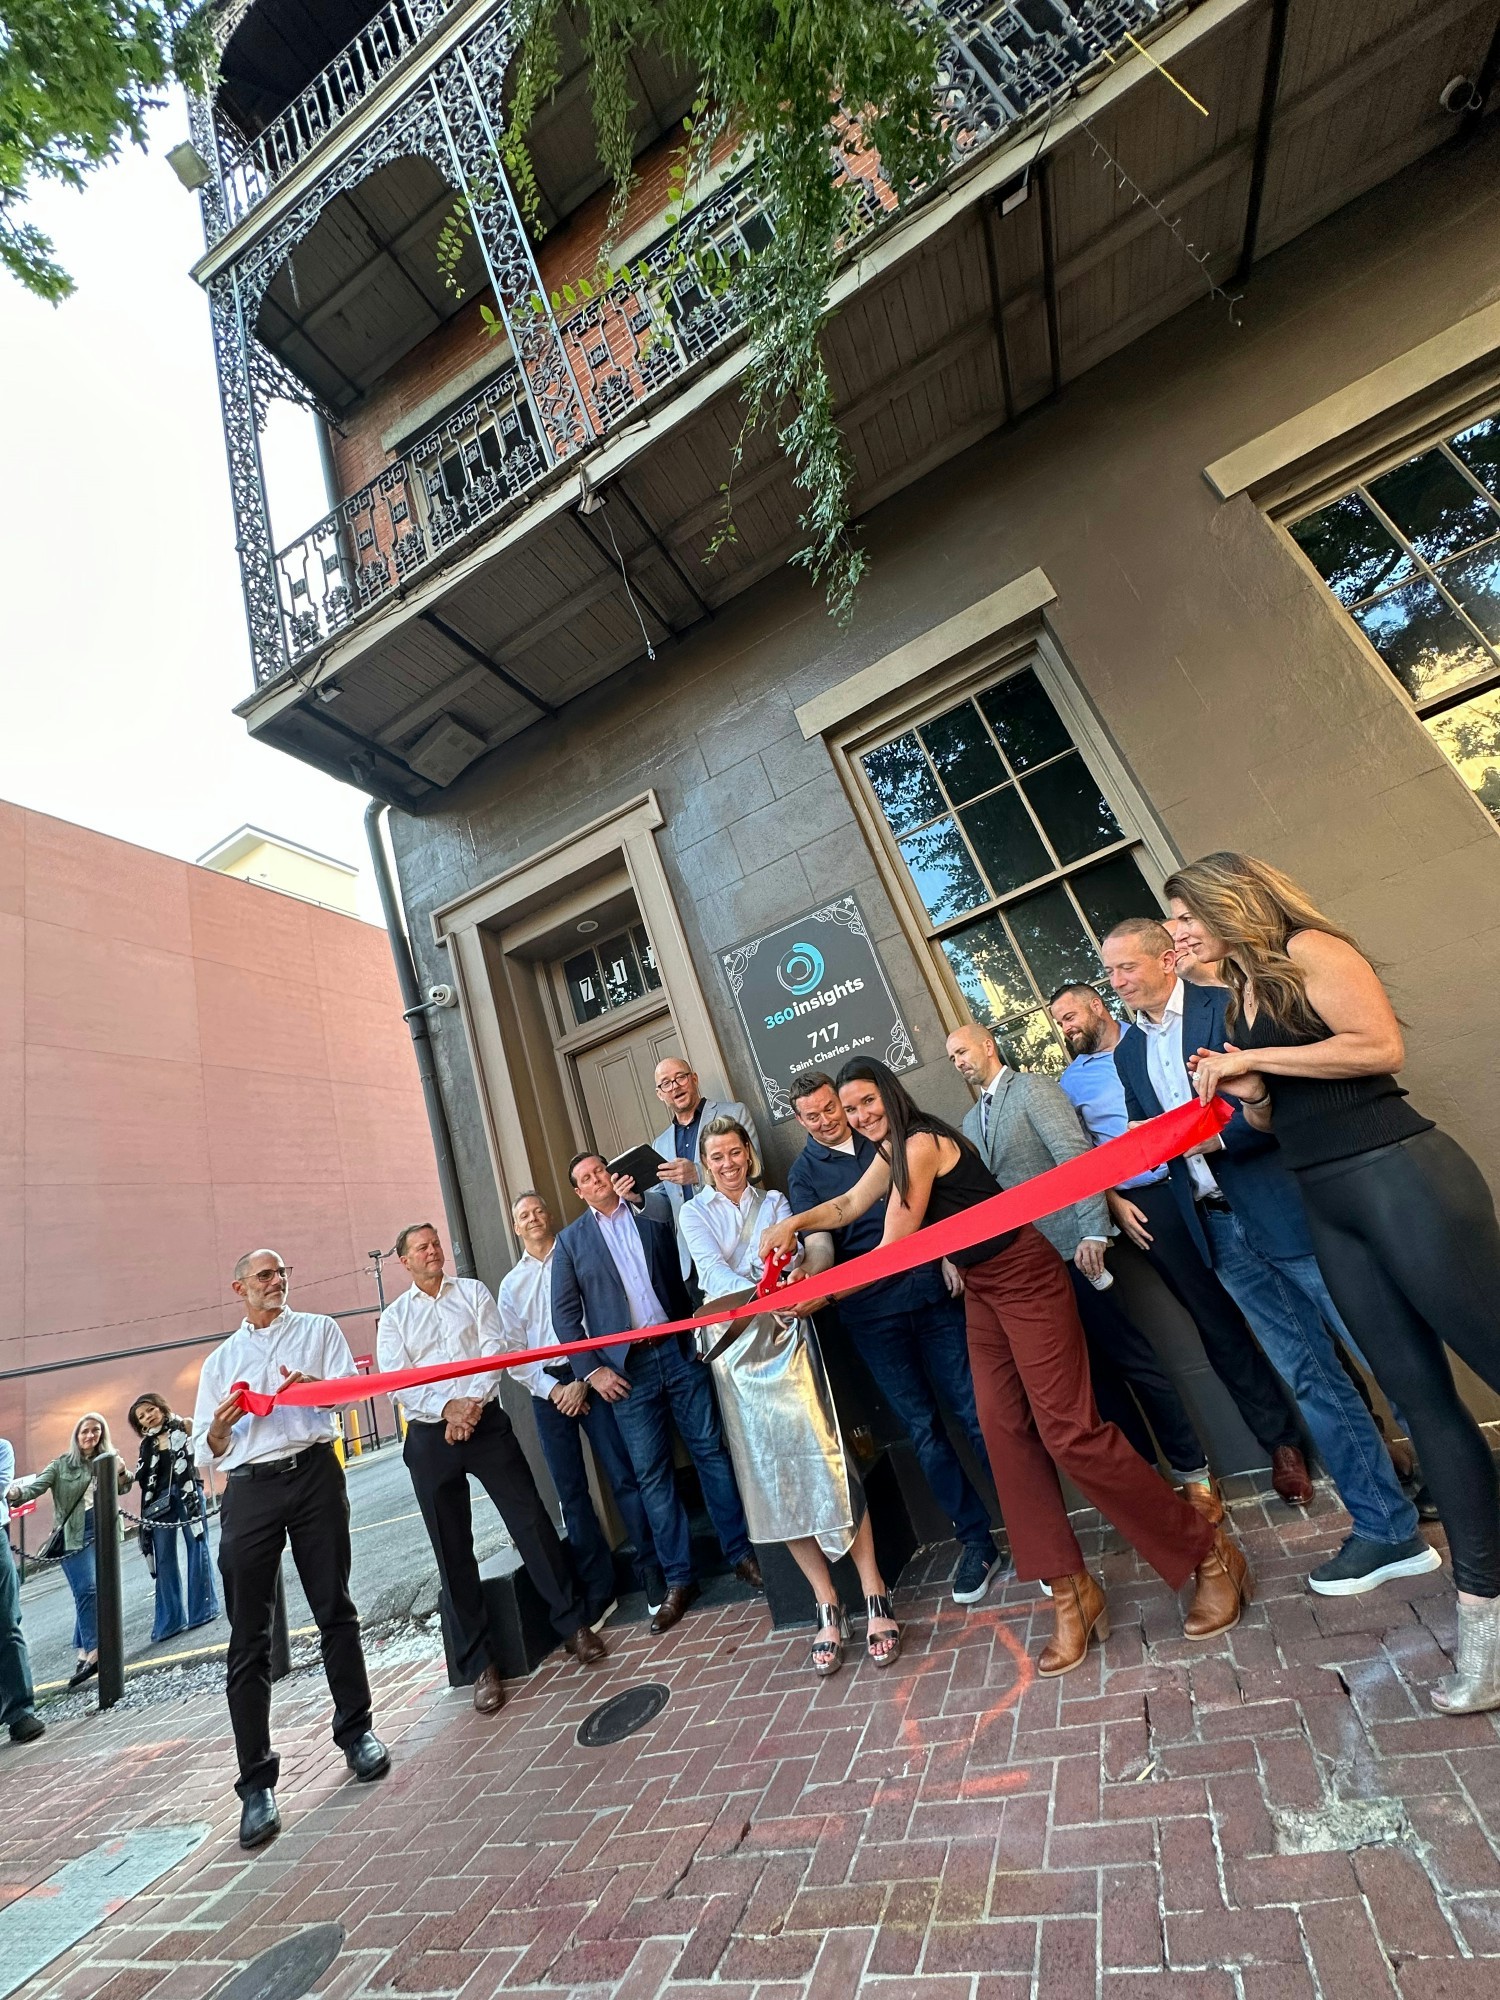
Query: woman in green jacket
{"type": "Point", "coordinates": [70, 1481]}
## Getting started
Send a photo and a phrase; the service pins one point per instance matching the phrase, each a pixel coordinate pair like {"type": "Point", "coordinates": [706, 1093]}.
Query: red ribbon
{"type": "Point", "coordinates": [1134, 1152]}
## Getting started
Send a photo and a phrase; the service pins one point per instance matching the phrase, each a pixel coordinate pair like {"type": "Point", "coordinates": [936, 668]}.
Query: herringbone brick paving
{"type": "Point", "coordinates": [952, 1829]}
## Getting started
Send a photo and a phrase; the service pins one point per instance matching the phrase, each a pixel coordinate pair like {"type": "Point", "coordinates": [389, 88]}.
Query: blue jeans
{"type": "Point", "coordinates": [1289, 1310]}
{"type": "Point", "coordinates": [918, 1358]}
{"type": "Point", "coordinates": [667, 1387]}
{"type": "Point", "coordinates": [562, 1447]}
{"type": "Point", "coordinates": [16, 1696]}
{"type": "Point", "coordinates": [202, 1600]}
{"type": "Point", "coordinates": [78, 1568]}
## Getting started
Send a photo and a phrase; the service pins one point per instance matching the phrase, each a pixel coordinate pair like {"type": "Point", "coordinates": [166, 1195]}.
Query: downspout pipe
{"type": "Point", "coordinates": [415, 1010]}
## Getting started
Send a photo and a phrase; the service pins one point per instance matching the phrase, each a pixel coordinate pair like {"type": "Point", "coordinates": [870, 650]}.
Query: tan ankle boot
{"type": "Point", "coordinates": [1225, 1586]}
{"type": "Point", "coordinates": [1080, 1610]}
{"type": "Point", "coordinates": [1206, 1500]}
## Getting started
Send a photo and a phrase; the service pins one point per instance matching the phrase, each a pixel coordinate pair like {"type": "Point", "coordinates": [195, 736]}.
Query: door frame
{"type": "Point", "coordinates": [532, 1128]}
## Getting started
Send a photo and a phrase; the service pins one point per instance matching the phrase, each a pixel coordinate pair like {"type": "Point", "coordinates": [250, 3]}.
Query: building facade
{"type": "Point", "coordinates": [1173, 417]}
{"type": "Point", "coordinates": [190, 1067]}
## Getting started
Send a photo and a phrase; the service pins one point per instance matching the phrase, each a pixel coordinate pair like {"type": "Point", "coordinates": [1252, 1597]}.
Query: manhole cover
{"type": "Point", "coordinates": [288, 1969]}
{"type": "Point", "coordinates": [623, 1715]}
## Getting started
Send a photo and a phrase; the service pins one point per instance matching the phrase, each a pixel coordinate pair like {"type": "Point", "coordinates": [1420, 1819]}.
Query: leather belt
{"type": "Point", "coordinates": [1214, 1201]}
{"type": "Point", "coordinates": [272, 1468]}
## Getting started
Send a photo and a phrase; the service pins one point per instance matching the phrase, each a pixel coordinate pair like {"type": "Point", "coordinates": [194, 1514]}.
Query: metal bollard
{"type": "Point", "coordinates": [281, 1641]}
{"type": "Point", "coordinates": [109, 1604]}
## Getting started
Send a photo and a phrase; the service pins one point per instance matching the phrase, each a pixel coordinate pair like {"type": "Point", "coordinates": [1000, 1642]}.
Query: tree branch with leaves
{"type": "Point", "coordinates": [78, 79]}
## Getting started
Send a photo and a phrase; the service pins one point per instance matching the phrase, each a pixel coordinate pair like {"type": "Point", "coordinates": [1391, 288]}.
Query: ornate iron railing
{"type": "Point", "coordinates": [662, 315]}
{"type": "Point", "coordinates": [250, 170]}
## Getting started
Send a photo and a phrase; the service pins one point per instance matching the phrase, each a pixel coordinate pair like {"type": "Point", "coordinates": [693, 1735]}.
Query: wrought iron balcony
{"type": "Point", "coordinates": [250, 169]}
{"type": "Point", "coordinates": [575, 377]}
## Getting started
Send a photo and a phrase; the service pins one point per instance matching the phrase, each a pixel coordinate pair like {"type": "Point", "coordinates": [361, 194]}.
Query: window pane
{"type": "Point", "coordinates": [1434, 506]}
{"type": "Point", "coordinates": [989, 974]}
{"type": "Point", "coordinates": [1021, 714]}
{"type": "Point", "coordinates": [645, 956]}
{"type": "Point", "coordinates": [946, 879]}
{"type": "Point", "coordinates": [1055, 945]}
{"type": "Point", "coordinates": [903, 784]}
{"type": "Point", "coordinates": [966, 759]}
{"type": "Point", "coordinates": [1032, 1044]}
{"type": "Point", "coordinates": [1470, 735]}
{"type": "Point", "coordinates": [1072, 809]}
{"type": "Point", "coordinates": [1475, 581]}
{"type": "Point", "coordinates": [1112, 892]}
{"type": "Point", "coordinates": [585, 988]}
{"type": "Point", "coordinates": [622, 976]}
{"type": "Point", "coordinates": [1422, 640]}
{"type": "Point", "coordinates": [1008, 845]}
{"type": "Point", "coordinates": [1350, 549]}
{"type": "Point", "coordinates": [1479, 448]}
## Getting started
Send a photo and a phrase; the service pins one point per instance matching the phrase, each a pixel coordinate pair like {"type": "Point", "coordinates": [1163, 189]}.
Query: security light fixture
{"type": "Point", "coordinates": [190, 166]}
{"type": "Point", "coordinates": [590, 499]}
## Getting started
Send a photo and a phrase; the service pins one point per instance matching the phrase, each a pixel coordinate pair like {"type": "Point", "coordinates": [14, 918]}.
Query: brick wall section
{"type": "Point", "coordinates": [570, 253]}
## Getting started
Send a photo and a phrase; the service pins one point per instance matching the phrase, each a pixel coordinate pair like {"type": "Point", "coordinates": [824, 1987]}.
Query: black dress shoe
{"type": "Point", "coordinates": [27, 1728]}
{"type": "Point", "coordinates": [368, 1757]}
{"type": "Point", "coordinates": [748, 1571]}
{"type": "Point", "coordinates": [260, 1819]}
{"type": "Point", "coordinates": [676, 1601]}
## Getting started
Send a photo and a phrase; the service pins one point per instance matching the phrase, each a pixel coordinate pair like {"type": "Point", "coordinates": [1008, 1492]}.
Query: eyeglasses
{"type": "Point", "coordinates": [670, 1083]}
{"type": "Point", "coordinates": [265, 1277]}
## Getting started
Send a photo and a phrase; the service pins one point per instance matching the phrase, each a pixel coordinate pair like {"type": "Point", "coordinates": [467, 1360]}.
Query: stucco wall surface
{"type": "Point", "coordinates": [1237, 693]}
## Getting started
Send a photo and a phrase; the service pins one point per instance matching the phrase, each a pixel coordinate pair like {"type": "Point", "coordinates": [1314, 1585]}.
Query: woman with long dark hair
{"type": "Point", "coordinates": [172, 1504]}
{"type": "Point", "coordinates": [1031, 1380]}
{"type": "Point", "coordinates": [1402, 1219]}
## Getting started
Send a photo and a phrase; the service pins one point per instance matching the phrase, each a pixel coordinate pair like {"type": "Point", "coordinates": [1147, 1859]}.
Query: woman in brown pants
{"type": "Point", "coordinates": [1031, 1381]}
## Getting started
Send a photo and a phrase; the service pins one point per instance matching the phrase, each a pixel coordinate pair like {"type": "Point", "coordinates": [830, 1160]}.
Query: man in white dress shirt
{"type": "Point", "coordinates": [282, 1481]}
{"type": "Point", "coordinates": [457, 1428]}
{"type": "Point", "coordinates": [565, 1410]}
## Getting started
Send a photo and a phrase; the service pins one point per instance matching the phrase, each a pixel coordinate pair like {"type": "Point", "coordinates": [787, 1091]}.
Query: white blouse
{"type": "Point", "coordinates": [711, 1225]}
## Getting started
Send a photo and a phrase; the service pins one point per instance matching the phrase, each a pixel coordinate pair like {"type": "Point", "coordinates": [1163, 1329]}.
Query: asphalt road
{"type": "Point", "coordinates": [394, 1573]}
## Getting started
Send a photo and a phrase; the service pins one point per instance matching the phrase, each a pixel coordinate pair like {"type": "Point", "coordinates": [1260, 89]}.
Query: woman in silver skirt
{"type": "Point", "coordinates": [779, 1420]}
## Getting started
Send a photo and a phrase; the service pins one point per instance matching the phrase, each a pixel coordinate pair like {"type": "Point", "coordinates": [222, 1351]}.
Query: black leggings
{"type": "Point", "coordinates": [1410, 1246]}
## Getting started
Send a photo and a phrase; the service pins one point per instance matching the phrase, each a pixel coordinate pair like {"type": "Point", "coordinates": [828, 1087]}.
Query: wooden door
{"type": "Point", "coordinates": [617, 1078]}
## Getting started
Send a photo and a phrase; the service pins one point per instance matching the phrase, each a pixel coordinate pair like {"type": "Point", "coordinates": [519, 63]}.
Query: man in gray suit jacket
{"type": "Point", "coordinates": [677, 1087]}
{"type": "Point", "coordinates": [1023, 1126]}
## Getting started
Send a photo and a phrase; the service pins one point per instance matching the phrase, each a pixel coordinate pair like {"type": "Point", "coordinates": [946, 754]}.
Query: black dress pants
{"type": "Point", "coordinates": [1117, 1342]}
{"type": "Point", "coordinates": [440, 1476]}
{"type": "Point", "coordinates": [263, 1508]}
{"type": "Point", "coordinates": [1227, 1340]}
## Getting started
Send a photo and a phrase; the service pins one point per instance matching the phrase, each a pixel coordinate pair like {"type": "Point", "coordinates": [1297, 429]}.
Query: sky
{"type": "Point", "coordinates": [122, 632]}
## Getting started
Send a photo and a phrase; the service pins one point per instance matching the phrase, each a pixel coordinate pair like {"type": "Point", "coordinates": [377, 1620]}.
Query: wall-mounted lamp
{"type": "Point", "coordinates": [190, 166]}
{"type": "Point", "coordinates": [590, 499]}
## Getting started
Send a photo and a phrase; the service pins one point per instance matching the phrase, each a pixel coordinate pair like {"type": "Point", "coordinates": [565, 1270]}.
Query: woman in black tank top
{"type": "Point", "coordinates": [1402, 1220]}
{"type": "Point", "coordinates": [1031, 1380]}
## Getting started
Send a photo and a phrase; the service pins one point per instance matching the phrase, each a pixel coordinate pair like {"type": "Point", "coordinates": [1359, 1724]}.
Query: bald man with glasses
{"type": "Point", "coordinates": [680, 1092]}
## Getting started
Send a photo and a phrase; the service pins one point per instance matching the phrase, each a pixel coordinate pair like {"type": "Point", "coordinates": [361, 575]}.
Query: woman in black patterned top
{"type": "Point", "coordinates": [172, 1504]}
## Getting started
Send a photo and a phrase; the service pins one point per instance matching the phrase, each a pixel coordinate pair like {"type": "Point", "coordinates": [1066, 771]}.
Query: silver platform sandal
{"type": "Point", "coordinates": [833, 1636]}
{"type": "Point", "coordinates": [1476, 1684]}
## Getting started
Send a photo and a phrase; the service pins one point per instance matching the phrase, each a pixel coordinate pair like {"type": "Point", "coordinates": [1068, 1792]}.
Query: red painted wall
{"type": "Point", "coordinates": [190, 1067]}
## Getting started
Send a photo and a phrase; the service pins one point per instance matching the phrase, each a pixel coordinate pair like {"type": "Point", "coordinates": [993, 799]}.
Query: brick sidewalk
{"type": "Point", "coordinates": [952, 1829]}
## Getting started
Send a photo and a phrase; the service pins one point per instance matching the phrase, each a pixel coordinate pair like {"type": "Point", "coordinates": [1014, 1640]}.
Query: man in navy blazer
{"type": "Point", "coordinates": [1245, 1215]}
{"type": "Point", "coordinates": [614, 1271]}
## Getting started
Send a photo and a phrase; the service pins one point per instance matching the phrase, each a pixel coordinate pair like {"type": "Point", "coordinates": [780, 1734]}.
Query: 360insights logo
{"type": "Point", "coordinates": [801, 969]}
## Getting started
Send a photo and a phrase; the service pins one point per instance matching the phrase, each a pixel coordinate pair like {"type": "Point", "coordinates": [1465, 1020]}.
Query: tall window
{"type": "Point", "coordinates": [1414, 557]}
{"type": "Point", "coordinates": [1019, 859]}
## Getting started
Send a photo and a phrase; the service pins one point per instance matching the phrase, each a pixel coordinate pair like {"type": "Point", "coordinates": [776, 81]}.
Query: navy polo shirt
{"type": "Point", "coordinates": [817, 1175]}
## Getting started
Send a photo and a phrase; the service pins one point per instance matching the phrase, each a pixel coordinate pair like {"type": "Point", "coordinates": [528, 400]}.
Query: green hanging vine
{"type": "Point", "coordinates": [795, 84]}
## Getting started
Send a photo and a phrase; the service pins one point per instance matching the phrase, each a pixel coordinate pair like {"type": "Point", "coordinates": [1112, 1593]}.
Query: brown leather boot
{"type": "Point", "coordinates": [1225, 1586]}
{"type": "Point", "coordinates": [1204, 1499]}
{"type": "Point", "coordinates": [1080, 1610]}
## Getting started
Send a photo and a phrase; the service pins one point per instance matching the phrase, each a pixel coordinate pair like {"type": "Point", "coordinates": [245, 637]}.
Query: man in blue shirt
{"type": "Point", "coordinates": [907, 1330]}
{"type": "Point", "coordinates": [1147, 1214]}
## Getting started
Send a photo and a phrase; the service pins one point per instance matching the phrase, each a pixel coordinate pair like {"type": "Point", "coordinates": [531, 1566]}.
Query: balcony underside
{"type": "Point", "coordinates": [985, 316]}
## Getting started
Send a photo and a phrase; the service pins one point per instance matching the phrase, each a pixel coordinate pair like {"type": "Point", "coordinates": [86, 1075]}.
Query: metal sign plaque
{"type": "Point", "coordinates": [813, 993]}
